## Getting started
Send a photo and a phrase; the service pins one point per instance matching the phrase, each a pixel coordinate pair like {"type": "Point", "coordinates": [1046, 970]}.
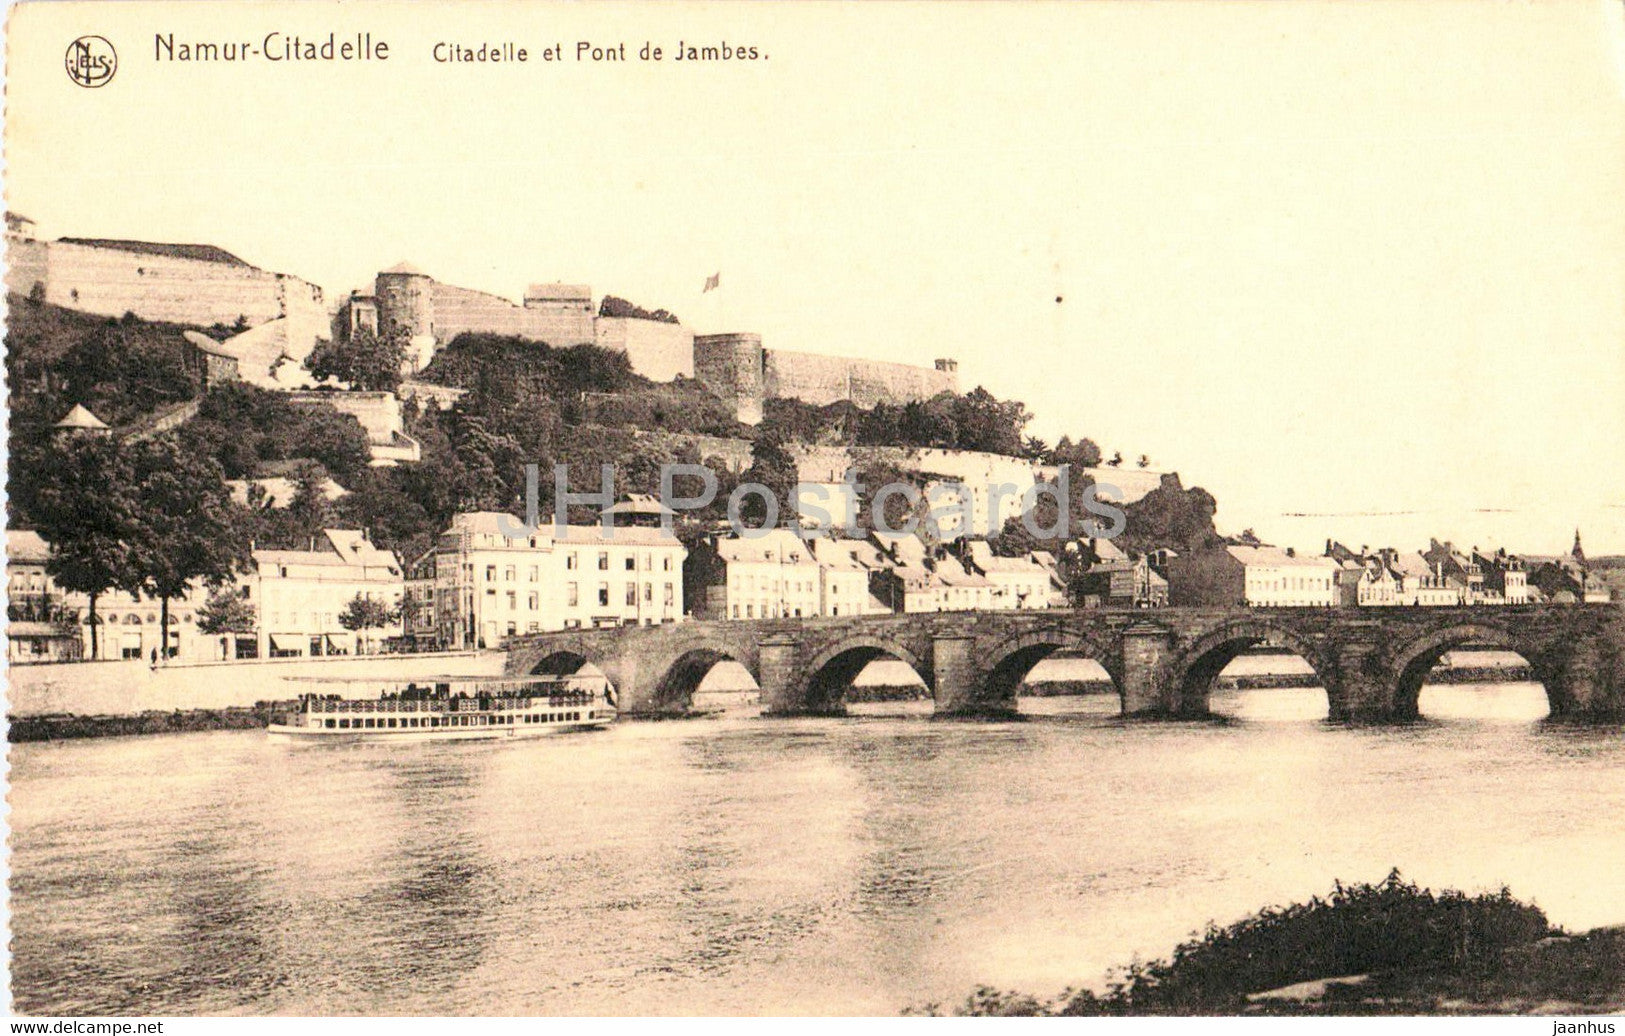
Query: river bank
{"type": "Point", "coordinates": [1385, 949]}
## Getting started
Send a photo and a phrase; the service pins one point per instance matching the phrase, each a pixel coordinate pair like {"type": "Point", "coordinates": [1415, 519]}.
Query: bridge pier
{"type": "Point", "coordinates": [959, 684]}
{"type": "Point", "coordinates": [1586, 684]}
{"type": "Point", "coordinates": [1149, 689]}
{"type": "Point", "coordinates": [779, 676]}
{"type": "Point", "coordinates": [1357, 691]}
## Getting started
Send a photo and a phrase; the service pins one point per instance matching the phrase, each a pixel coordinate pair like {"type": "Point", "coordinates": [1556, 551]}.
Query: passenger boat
{"type": "Point", "coordinates": [449, 708]}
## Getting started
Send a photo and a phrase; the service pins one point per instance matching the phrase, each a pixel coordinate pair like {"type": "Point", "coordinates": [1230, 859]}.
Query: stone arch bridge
{"type": "Point", "coordinates": [1372, 662]}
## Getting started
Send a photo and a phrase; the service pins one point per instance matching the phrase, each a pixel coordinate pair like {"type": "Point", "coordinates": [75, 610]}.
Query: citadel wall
{"type": "Point", "coordinates": [456, 310]}
{"type": "Point", "coordinates": [110, 281]}
{"type": "Point", "coordinates": [656, 350]}
{"type": "Point", "coordinates": [820, 380]}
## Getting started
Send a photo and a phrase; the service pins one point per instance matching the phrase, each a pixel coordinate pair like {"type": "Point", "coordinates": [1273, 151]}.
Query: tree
{"type": "Point", "coordinates": [1081, 454]}
{"type": "Point", "coordinates": [1117, 460]}
{"type": "Point", "coordinates": [184, 528]}
{"type": "Point", "coordinates": [367, 613]}
{"type": "Point", "coordinates": [1144, 461]}
{"type": "Point", "coordinates": [367, 361]}
{"type": "Point", "coordinates": [225, 613]}
{"type": "Point", "coordinates": [87, 512]}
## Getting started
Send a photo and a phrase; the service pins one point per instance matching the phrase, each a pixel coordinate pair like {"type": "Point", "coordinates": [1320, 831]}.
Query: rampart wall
{"type": "Point", "coordinates": [656, 350]}
{"type": "Point", "coordinates": [820, 380]}
{"type": "Point", "coordinates": [456, 310]}
{"type": "Point", "coordinates": [112, 282]}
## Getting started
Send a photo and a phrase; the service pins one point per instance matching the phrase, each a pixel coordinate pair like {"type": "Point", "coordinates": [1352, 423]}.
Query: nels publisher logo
{"type": "Point", "coordinates": [91, 61]}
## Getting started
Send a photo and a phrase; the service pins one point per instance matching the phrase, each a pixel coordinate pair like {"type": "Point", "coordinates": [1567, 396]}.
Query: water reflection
{"type": "Point", "coordinates": [743, 866]}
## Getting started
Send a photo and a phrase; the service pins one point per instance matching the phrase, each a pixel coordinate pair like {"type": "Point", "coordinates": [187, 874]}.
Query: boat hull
{"type": "Point", "coordinates": [497, 733]}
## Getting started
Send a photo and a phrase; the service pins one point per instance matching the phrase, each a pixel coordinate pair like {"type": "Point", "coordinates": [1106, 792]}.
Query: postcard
{"type": "Point", "coordinates": [821, 509]}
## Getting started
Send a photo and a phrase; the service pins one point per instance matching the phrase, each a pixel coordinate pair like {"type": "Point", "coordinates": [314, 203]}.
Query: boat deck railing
{"type": "Point", "coordinates": [442, 704]}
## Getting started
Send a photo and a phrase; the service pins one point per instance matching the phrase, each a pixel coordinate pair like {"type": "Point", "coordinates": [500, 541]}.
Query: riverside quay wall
{"type": "Point", "coordinates": [128, 688]}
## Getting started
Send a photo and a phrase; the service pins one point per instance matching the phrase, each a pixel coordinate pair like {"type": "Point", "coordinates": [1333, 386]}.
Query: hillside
{"type": "Point", "coordinates": [525, 403]}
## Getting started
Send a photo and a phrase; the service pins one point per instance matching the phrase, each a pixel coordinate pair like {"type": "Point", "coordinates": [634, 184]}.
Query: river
{"type": "Point", "coordinates": [740, 865]}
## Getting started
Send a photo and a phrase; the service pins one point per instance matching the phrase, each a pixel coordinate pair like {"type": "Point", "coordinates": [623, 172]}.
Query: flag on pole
{"type": "Point", "coordinates": [712, 282]}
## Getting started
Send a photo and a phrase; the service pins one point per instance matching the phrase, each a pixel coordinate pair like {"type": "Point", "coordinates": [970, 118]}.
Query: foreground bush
{"type": "Point", "coordinates": [1358, 929]}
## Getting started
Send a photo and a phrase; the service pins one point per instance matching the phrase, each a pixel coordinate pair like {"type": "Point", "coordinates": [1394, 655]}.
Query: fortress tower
{"type": "Point", "coordinates": [405, 300]}
{"type": "Point", "coordinates": [734, 367]}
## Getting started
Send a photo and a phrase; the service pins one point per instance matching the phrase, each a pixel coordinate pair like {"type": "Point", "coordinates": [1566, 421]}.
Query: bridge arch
{"type": "Point", "coordinates": [1010, 660]}
{"type": "Point", "coordinates": [830, 673]}
{"type": "Point", "coordinates": [1413, 660]}
{"type": "Point", "coordinates": [1195, 669]}
{"type": "Point", "coordinates": [562, 662]}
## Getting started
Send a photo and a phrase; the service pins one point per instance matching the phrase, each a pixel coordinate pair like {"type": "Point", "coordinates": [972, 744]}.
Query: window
{"type": "Point", "coordinates": [631, 593]}
{"type": "Point", "coordinates": [570, 560]}
{"type": "Point", "coordinates": [671, 593]}
{"type": "Point", "coordinates": [665, 563]}
{"type": "Point", "coordinates": [535, 573]}
{"type": "Point", "coordinates": [631, 563]}
{"type": "Point", "coordinates": [508, 574]}
{"type": "Point", "coordinates": [534, 600]}
{"type": "Point", "coordinates": [603, 561]}
{"type": "Point", "coordinates": [490, 573]}
{"type": "Point", "coordinates": [513, 600]}
{"type": "Point", "coordinates": [648, 593]}
{"type": "Point", "coordinates": [603, 594]}
{"type": "Point", "coordinates": [572, 594]}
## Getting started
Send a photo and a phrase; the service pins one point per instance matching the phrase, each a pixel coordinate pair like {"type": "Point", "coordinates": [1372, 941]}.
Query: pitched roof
{"type": "Point", "coordinates": [79, 417]}
{"type": "Point", "coordinates": [26, 546]}
{"type": "Point", "coordinates": [780, 546]}
{"type": "Point", "coordinates": [404, 267]}
{"type": "Point", "coordinates": [1275, 557]}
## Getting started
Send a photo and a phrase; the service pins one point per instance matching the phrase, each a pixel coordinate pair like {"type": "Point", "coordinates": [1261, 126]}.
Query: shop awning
{"type": "Point", "coordinates": [285, 642]}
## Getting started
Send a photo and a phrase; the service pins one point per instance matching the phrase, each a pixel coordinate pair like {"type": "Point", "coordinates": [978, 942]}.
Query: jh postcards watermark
{"type": "Point", "coordinates": [941, 508]}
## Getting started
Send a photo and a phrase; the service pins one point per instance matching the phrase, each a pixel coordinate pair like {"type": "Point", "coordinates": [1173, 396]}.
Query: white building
{"type": "Point", "coordinates": [488, 585]}
{"type": "Point", "coordinates": [1422, 584]}
{"type": "Point", "coordinates": [298, 595]}
{"type": "Point", "coordinates": [1018, 583]}
{"type": "Point", "coordinates": [771, 575]}
{"type": "Point", "coordinates": [844, 568]}
{"type": "Point", "coordinates": [1274, 578]}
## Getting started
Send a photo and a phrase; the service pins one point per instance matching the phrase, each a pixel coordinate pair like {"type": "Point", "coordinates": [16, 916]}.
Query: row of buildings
{"type": "Point", "coordinates": [487, 578]}
{"type": "Point", "coordinates": [1259, 575]}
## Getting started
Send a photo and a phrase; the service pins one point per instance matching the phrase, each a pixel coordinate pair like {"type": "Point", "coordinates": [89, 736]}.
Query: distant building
{"type": "Point", "coordinates": [49, 624]}
{"type": "Point", "coordinates": [379, 414]}
{"type": "Point", "coordinates": [488, 586]}
{"type": "Point", "coordinates": [1423, 584]}
{"type": "Point", "coordinates": [1256, 576]}
{"type": "Point", "coordinates": [773, 575]}
{"type": "Point", "coordinates": [298, 595]}
{"type": "Point", "coordinates": [846, 571]}
{"type": "Point", "coordinates": [1123, 584]}
{"type": "Point", "coordinates": [1017, 583]}
{"type": "Point", "coordinates": [1505, 576]}
{"type": "Point", "coordinates": [1458, 569]}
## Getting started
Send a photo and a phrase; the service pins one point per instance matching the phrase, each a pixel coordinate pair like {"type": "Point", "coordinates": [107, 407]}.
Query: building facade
{"type": "Point", "coordinates": [485, 586]}
{"type": "Point", "coordinates": [299, 595]}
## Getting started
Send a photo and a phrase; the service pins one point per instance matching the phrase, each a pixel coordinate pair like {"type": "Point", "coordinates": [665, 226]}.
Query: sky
{"type": "Point", "coordinates": [1357, 269]}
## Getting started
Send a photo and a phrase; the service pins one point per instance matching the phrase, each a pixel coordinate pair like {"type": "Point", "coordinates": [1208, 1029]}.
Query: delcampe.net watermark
{"type": "Point", "coordinates": [943, 508]}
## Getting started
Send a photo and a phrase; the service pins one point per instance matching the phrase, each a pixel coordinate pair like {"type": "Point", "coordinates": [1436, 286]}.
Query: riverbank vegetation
{"type": "Point", "coordinates": [179, 721]}
{"type": "Point", "coordinates": [1384, 948]}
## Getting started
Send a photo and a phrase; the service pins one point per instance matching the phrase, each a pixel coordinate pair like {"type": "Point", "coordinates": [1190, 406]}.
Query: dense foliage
{"type": "Point", "coordinates": [1391, 926]}
{"type": "Point", "coordinates": [614, 306]}
{"type": "Point", "coordinates": [362, 360]}
{"type": "Point", "coordinates": [120, 369]}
